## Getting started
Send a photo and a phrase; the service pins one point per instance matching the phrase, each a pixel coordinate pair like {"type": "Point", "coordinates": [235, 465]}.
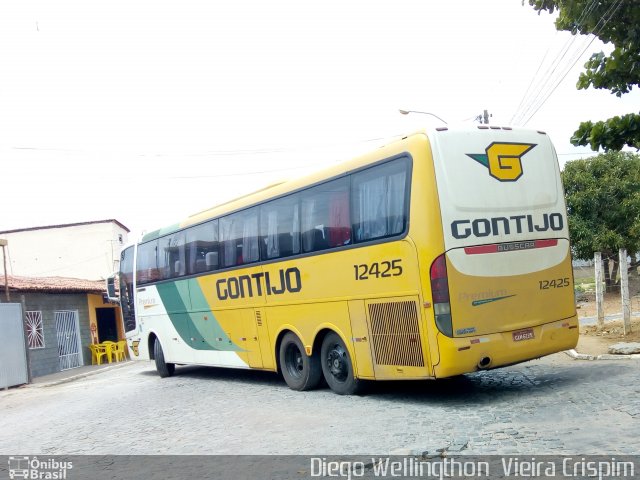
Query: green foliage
{"type": "Point", "coordinates": [603, 204]}
{"type": "Point", "coordinates": [616, 22]}
{"type": "Point", "coordinates": [611, 134]}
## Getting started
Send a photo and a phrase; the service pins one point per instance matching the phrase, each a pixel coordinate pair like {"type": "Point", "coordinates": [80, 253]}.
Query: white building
{"type": "Point", "coordinates": [88, 250]}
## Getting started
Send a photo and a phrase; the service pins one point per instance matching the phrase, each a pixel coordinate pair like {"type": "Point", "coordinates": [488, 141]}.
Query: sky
{"type": "Point", "coordinates": [149, 111]}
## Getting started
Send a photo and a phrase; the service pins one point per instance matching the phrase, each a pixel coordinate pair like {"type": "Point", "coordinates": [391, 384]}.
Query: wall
{"type": "Point", "coordinates": [44, 361]}
{"type": "Point", "coordinates": [89, 251]}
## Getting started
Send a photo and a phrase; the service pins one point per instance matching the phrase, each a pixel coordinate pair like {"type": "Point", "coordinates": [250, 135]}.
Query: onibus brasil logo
{"type": "Point", "coordinates": [34, 468]}
{"type": "Point", "coordinates": [504, 160]}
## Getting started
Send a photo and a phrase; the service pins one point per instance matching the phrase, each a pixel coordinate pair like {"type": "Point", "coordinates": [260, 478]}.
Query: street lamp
{"type": "Point", "coordinates": [407, 112]}
{"type": "Point", "coordinates": [3, 244]}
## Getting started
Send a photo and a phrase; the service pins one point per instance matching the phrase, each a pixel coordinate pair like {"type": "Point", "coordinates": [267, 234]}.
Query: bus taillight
{"type": "Point", "coordinates": [440, 294]}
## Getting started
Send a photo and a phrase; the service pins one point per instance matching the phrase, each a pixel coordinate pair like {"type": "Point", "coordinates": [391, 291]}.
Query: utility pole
{"type": "Point", "coordinates": [3, 244]}
{"type": "Point", "coordinates": [484, 117]}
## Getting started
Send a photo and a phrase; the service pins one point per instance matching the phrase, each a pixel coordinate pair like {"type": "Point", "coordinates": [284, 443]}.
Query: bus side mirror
{"type": "Point", "coordinates": [111, 289]}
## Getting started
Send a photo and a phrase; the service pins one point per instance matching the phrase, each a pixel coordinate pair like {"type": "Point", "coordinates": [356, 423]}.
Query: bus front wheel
{"type": "Point", "coordinates": [337, 367]}
{"type": "Point", "coordinates": [300, 371]}
{"type": "Point", "coordinates": [164, 369]}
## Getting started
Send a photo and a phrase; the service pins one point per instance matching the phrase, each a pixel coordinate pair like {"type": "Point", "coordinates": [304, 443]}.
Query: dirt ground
{"type": "Point", "coordinates": [594, 342]}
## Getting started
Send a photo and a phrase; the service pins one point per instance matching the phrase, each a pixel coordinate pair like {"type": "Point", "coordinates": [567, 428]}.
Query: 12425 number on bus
{"type": "Point", "coordinates": [384, 269]}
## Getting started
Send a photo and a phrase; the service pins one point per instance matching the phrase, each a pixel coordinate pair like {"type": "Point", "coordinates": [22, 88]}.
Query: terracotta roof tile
{"type": "Point", "coordinates": [53, 284]}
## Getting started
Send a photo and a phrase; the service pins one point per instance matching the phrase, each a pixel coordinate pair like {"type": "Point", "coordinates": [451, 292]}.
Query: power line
{"type": "Point", "coordinates": [553, 76]}
{"type": "Point", "coordinates": [607, 16]}
{"type": "Point", "coordinates": [213, 153]}
{"type": "Point", "coordinates": [543, 99]}
{"type": "Point", "coordinates": [526, 92]}
{"type": "Point", "coordinates": [538, 90]}
{"type": "Point", "coordinates": [547, 79]}
{"type": "Point", "coordinates": [598, 28]}
{"type": "Point", "coordinates": [240, 174]}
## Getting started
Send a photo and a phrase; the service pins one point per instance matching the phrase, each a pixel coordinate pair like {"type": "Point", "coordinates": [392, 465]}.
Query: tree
{"type": "Point", "coordinates": [616, 22]}
{"type": "Point", "coordinates": [603, 206]}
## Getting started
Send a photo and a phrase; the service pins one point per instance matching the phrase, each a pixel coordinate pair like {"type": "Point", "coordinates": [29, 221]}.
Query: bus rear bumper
{"type": "Point", "coordinates": [483, 352]}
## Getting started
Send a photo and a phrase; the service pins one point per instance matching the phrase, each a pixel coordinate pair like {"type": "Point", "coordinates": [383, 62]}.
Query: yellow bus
{"type": "Point", "coordinates": [439, 254]}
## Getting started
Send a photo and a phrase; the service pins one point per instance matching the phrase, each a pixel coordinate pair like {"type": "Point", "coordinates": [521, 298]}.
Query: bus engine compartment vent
{"type": "Point", "coordinates": [395, 334]}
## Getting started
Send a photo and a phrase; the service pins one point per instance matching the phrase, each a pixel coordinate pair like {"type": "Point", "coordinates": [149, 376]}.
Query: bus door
{"type": "Point", "coordinates": [127, 300]}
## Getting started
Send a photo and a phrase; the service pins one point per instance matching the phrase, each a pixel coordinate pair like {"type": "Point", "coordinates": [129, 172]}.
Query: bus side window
{"type": "Point", "coordinates": [280, 228]}
{"type": "Point", "coordinates": [201, 246]}
{"type": "Point", "coordinates": [250, 251]}
{"type": "Point", "coordinates": [339, 230]}
{"type": "Point", "coordinates": [314, 239]}
{"type": "Point", "coordinates": [239, 238]}
{"type": "Point", "coordinates": [228, 241]}
{"type": "Point", "coordinates": [325, 216]}
{"type": "Point", "coordinates": [171, 256]}
{"type": "Point", "coordinates": [147, 263]}
{"type": "Point", "coordinates": [380, 200]}
{"type": "Point", "coordinates": [211, 261]}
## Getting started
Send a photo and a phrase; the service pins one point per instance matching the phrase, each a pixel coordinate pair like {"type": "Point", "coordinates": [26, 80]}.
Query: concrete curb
{"type": "Point", "coordinates": [606, 356]}
{"type": "Point", "coordinates": [80, 375]}
{"type": "Point", "coordinates": [607, 318]}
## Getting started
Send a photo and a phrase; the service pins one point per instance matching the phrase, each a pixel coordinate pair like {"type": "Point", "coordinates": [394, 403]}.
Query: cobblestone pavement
{"type": "Point", "coordinates": [554, 405]}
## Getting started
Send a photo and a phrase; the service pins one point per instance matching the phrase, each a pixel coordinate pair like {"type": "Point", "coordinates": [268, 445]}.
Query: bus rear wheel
{"type": "Point", "coordinates": [300, 371]}
{"type": "Point", "coordinates": [164, 369]}
{"type": "Point", "coordinates": [337, 367]}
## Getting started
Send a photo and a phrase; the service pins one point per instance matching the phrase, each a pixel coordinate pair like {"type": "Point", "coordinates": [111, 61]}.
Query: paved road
{"type": "Point", "coordinates": [554, 405]}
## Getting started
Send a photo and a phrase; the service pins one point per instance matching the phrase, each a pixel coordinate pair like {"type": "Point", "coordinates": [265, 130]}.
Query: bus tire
{"type": "Point", "coordinates": [337, 367]}
{"type": "Point", "coordinates": [300, 371]}
{"type": "Point", "coordinates": [164, 369]}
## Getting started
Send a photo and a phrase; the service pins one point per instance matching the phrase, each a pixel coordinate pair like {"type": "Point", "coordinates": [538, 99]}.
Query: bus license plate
{"type": "Point", "coordinates": [520, 335]}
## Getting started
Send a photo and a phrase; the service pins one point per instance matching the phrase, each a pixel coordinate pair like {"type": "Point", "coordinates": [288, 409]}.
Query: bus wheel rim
{"type": "Point", "coordinates": [294, 361]}
{"type": "Point", "coordinates": [337, 363]}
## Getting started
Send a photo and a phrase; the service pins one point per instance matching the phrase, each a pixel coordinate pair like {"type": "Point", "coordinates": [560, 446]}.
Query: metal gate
{"type": "Point", "coordinates": [68, 331]}
{"type": "Point", "coordinates": [13, 359]}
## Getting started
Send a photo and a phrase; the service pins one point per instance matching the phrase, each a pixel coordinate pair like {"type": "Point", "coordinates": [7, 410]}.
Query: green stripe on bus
{"type": "Point", "coordinates": [190, 322]}
{"type": "Point", "coordinates": [208, 330]}
{"type": "Point", "coordinates": [176, 309]}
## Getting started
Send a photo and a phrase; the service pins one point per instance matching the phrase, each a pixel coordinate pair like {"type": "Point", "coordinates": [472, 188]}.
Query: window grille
{"type": "Point", "coordinates": [35, 335]}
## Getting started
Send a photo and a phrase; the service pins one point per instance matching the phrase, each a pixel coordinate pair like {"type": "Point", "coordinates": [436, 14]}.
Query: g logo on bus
{"type": "Point", "coordinates": [504, 160]}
